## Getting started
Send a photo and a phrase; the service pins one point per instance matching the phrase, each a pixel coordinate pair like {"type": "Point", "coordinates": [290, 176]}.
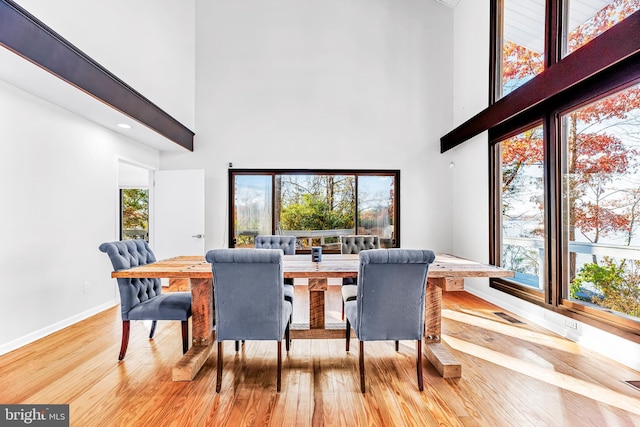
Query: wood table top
{"type": "Point", "coordinates": [301, 266]}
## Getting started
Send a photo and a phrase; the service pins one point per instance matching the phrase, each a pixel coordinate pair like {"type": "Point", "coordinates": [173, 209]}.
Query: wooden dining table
{"type": "Point", "coordinates": [446, 273]}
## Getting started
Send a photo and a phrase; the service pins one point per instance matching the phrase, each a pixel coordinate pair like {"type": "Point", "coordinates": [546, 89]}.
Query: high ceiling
{"type": "Point", "coordinates": [524, 19]}
{"type": "Point", "coordinates": [23, 74]}
{"type": "Point", "coordinates": [524, 24]}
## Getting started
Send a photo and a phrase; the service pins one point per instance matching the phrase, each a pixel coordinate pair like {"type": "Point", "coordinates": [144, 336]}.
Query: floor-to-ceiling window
{"type": "Point", "coordinates": [565, 190]}
{"type": "Point", "coordinates": [315, 206]}
{"type": "Point", "coordinates": [521, 206]}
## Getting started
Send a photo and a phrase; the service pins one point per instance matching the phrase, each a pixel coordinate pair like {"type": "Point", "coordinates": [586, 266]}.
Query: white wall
{"type": "Point", "coordinates": [470, 184]}
{"type": "Point", "coordinates": [470, 179]}
{"type": "Point", "coordinates": [131, 175]}
{"type": "Point", "coordinates": [289, 84]}
{"type": "Point", "coordinates": [149, 44]}
{"type": "Point", "coordinates": [58, 177]}
{"type": "Point", "coordinates": [355, 84]}
{"type": "Point", "coordinates": [58, 172]}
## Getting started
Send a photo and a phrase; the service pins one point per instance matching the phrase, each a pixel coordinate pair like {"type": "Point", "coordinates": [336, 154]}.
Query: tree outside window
{"type": "Point", "coordinates": [317, 202]}
{"type": "Point", "coordinates": [600, 184]}
{"type": "Point", "coordinates": [316, 207]}
{"type": "Point", "coordinates": [134, 213]}
{"type": "Point", "coordinates": [601, 190]}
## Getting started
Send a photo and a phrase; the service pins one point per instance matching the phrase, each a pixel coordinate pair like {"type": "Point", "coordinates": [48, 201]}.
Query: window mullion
{"type": "Point", "coordinates": [553, 203]}
{"type": "Point", "coordinates": [553, 31]}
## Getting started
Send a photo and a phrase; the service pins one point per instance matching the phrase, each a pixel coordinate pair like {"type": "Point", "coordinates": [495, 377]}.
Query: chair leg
{"type": "Point", "coordinates": [219, 368]}
{"type": "Point", "coordinates": [397, 345]}
{"type": "Point", "coordinates": [279, 378]}
{"type": "Point", "coordinates": [362, 388]}
{"type": "Point", "coordinates": [348, 336]}
{"type": "Point", "coordinates": [153, 328]}
{"type": "Point", "coordinates": [185, 336]}
{"type": "Point", "coordinates": [287, 337]}
{"type": "Point", "coordinates": [125, 338]}
{"type": "Point", "coordinates": [419, 366]}
{"type": "Point", "coordinates": [237, 346]}
{"type": "Point", "coordinates": [342, 309]}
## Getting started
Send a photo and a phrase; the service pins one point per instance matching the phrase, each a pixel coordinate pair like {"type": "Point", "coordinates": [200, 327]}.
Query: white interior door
{"type": "Point", "coordinates": [178, 206]}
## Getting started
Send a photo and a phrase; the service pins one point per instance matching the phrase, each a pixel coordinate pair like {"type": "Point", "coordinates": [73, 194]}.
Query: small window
{"type": "Point", "coordinates": [134, 213]}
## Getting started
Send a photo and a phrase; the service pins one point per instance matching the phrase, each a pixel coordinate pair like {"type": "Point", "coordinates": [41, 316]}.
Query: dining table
{"type": "Point", "coordinates": [446, 273]}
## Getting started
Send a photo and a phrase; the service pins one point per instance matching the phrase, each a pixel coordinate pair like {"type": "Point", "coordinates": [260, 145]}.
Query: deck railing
{"type": "Point", "coordinates": [305, 238]}
{"type": "Point", "coordinates": [614, 251]}
{"type": "Point", "coordinates": [322, 235]}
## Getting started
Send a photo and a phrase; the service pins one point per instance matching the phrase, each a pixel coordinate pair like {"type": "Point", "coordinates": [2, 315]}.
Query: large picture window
{"type": "Point", "coordinates": [315, 206]}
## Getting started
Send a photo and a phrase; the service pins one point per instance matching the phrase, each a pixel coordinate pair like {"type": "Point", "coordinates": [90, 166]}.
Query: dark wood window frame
{"type": "Point", "coordinates": [273, 172]}
{"type": "Point", "coordinates": [607, 64]}
{"type": "Point", "coordinates": [611, 58]}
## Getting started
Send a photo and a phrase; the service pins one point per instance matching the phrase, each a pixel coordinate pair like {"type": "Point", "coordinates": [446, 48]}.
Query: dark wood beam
{"type": "Point", "coordinates": [616, 45]}
{"type": "Point", "coordinates": [30, 38]}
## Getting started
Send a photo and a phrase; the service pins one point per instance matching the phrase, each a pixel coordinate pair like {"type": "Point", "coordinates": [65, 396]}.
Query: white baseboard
{"type": "Point", "coordinates": [41, 333]}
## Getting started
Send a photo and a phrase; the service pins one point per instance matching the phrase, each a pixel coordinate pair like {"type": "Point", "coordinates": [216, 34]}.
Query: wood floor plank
{"type": "Point", "coordinates": [513, 374]}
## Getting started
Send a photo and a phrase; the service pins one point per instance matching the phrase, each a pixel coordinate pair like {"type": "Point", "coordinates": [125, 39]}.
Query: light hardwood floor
{"type": "Point", "coordinates": [512, 375]}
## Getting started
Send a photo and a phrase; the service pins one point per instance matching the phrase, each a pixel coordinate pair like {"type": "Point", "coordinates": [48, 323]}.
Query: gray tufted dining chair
{"type": "Point", "coordinates": [142, 299]}
{"type": "Point", "coordinates": [277, 241]}
{"type": "Point", "coordinates": [288, 246]}
{"type": "Point", "coordinates": [249, 303]}
{"type": "Point", "coordinates": [353, 245]}
{"type": "Point", "coordinates": [390, 300]}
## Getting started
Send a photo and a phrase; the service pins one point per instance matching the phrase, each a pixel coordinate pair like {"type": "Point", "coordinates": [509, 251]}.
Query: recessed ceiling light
{"type": "Point", "coordinates": [124, 126]}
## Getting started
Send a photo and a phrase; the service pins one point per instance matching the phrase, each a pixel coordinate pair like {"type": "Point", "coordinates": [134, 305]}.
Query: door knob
{"type": "Point", "coordinates": [198, 236]}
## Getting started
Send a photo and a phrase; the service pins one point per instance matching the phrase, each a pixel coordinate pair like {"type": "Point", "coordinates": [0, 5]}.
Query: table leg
{"type": "Point", "coordinates": [202, 315]}
{"type": "Point", "coordinates": [181, 285]}
{"type": "Point", "coordinates": [317, 287]}
{"type": "Point", "coordinates": [439, 356]}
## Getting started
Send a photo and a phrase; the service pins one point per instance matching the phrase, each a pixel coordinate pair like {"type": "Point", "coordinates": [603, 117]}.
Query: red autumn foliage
{"type": "Point", "coordinates": [595, 158]}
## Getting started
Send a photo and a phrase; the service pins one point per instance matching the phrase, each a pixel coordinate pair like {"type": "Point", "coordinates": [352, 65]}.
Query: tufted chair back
{"type": "Point", "coordinates": [390, 298]}
{"type": "Point", "coordinates": [288, 246]}
{"type": "Point", "coordinates": [142, 299]}
{"type": "Point", "coordinates": [127, 254]}
{"type": "Point", "coordinates": [391, 293]}
{"type": "Point", "coordinates": [355, 244]}
{"type": "Point", "coordinates": [249, 294]}
{"type": "Point", "coordinates": [250, 301]}
{"type": "Point", "coordinates": [286, 243]}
